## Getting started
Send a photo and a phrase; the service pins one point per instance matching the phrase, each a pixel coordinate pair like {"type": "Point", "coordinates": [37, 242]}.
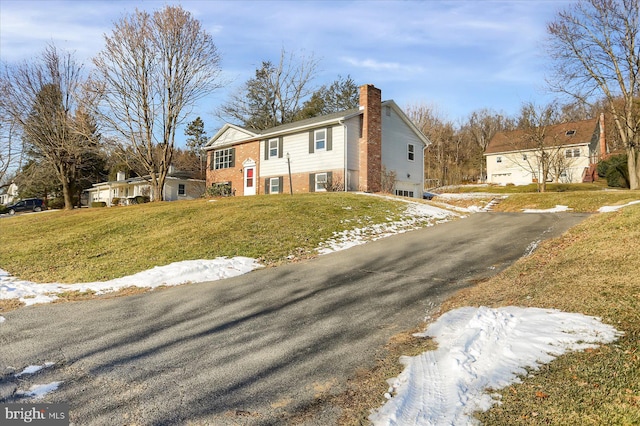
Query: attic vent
{"type": "Point", "coordinates": [570, 132]}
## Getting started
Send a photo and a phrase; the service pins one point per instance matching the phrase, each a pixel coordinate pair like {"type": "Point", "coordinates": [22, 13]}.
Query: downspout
{"type": "Point", "coordinates": [345, 138]}
{"type": "Point", "coordinates": [424, 156]}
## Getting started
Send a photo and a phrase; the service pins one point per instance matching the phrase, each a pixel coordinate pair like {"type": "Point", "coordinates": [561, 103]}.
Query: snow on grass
{"type": "Point", "coordinates": [480, 349]}
{"type": "Point", "coordinates": [169, 275]}
{"type": "Point", "coordinates": [416, 215]}
{"type": "Point", "coordinates": [609, 209]}
{"type": "Point", "coordinates": [556, 209]}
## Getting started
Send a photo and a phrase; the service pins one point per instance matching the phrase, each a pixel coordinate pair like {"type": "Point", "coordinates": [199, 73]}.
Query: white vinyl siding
{"type": "Point", "coordinates": [297, 146]}
{"type": "Point", "coordinates": [397, 138]}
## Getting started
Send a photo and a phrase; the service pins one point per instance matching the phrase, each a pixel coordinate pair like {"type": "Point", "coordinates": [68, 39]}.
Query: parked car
{"type": "Point", "coordinates": [29, 204]}
{"type": "Point", "coordinates": [428, 195]}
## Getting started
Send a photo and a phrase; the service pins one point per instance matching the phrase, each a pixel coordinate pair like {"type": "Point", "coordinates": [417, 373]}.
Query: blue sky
{"type": "Point", "coordinates": [458, 56]}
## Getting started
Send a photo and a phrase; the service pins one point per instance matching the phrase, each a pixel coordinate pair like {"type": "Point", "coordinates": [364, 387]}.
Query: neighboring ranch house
{"type": "Point", "coordinates": [345, 151]}
{"type": "Point", "coordinates": [10, 195]}
{"type": "Point", "coordinates": [123, 191]}
{"type": "Point", "coordinates": [574, 150]}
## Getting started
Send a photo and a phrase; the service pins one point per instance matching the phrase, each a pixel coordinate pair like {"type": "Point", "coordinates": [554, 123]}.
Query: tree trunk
{"type": "Point", "coordinates": [633, 163]}
{"type": "Point", "coordinates": [67, 194]}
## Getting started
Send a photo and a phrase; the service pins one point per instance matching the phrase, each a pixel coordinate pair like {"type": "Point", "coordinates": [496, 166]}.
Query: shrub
{"type": "Point", "coordinates": [141, 199]}
{"type": "Point", "coordinates": [220, 190]}
{"type": "Point", "coordinates": [3, 209]}
{"type": "Point", "coordinates": [115, 201]}
{"type": "Point", "coordinates": [616, 170]}
{"type": "Point", "coordinates": [98, 204]}
{"type": "Point", "coordinates": [55, 203]}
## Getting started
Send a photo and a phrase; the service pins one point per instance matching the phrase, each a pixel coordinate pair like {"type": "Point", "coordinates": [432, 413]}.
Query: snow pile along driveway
{"type": "Point", "coordinates": [481, 348]}
{"type": "Point", "coordinates": [169, 275]}
{"type": "Point", "coordinates": [416, 215]}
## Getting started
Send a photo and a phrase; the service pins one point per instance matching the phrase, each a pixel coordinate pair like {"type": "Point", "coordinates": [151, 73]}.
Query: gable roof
{"type": "Point", "coordinates": [231, 134]}
{"type": "Point", "coordinates": [564, 134]}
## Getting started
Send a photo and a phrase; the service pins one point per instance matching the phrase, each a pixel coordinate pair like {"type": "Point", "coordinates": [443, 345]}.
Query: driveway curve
{"type": "Point", "coordinates": [258, 348]}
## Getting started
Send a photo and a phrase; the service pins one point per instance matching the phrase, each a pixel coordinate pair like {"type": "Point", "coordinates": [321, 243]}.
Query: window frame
{"type": "Point", "coordinates": [498, 159]}
{"type": "Point", "coordinates": [411, 152]}
{"type": "Point", "coordinates": [316, 140]}
{"type": "Point", "coordinates": [274, 152]}
{"type": "Point", "coordinates": [277, 185]}
{"type": "Point", "coordinates": [576, 152]}
{"type": "Point", "coordinates": [182, 189]}
{"type": "Point", "coordinates": [322, 187]}
{"type": "Point", "coordinates": [223, 159]}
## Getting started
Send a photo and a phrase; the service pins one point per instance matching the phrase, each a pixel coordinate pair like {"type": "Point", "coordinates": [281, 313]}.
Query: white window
{"type": "Point", "coordinates": [499, 160]}
{"type": "Point", "coordinates": [274, 185]}
{"type": "Point", "coordinates": [223, 158]}
{"type": "Point", "coordinates": [320, 138]}
{"type": "Point", "coordinates": [273, 148]}
{"type": "Point", "coordinates": [411, 153]}
{"type": "Point", "coordinates": [568, 153]}
{"type": "Point", "coordinates": [321, 182]}
{"type": "Point", "coordinates": [524, 157]}
{"type": "Point", "coordinates": [576, 152]}
{"type": "Point", "coordinates": [181, 189]}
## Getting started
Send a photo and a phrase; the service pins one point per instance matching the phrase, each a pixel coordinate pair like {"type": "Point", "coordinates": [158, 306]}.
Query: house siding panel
{"type": "Point", "coordinates": [396, 136]}
{"type": "Point", "coordinates": [297, 145]}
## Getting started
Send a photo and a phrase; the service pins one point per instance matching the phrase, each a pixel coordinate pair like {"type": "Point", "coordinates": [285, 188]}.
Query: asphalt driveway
{"type": "Point", "coordinates": [258, 348]}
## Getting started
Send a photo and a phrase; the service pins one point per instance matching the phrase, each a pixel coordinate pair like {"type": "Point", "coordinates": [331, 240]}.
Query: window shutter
{"type": "Point", "coordinates": [266, 186]}
{"type": "Point", "coordinates": [329, 179]}
{"type": "Point", "coordinates": [233, 157]}
{"type": "Point", "coordinates": [329, 138]}
{"type": "Point", "coordinates": [280, 182]}
{"type": "Point", "coordinates": [280, 143]}
{"type": "Point", "coordinates": [312, 142]}
{"type": "Point", "coordinates": [266, 149]}
{"type": "Point", "coordinates": [211, 159]}
{"type": "Point", "coordinates": [312, 182]}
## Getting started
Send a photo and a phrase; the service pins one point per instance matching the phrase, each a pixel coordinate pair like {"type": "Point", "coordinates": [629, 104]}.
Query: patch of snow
{"type": "Point", "coordinates": [2, 319]}
{"type": "Point", "coordinates": [416, 215]}
{"type": "Point", "coordinates": [609, 209]}
{"type": "Point", "coordinates": [39, 391]}
{"type": "Point", "coordinates": [169, 275]}
{"type": "Point", "coordinates": [480, 349]}
{"type": "Point", "coordinates": [32, 369]}
{"type": "Point", "coordinates": [556, 209]}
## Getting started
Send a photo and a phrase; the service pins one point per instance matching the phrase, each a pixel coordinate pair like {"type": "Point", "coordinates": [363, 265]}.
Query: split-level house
{"type": "Point", "coordinates": [573, 151]}
{"type": "Point", "coordinates": [348, 151]}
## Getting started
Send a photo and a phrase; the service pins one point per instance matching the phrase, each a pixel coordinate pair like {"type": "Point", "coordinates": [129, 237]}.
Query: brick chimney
{"type": "Point", "coordinates": [370, 142]}
{"type": "Point", "coordinates": [603, 141]}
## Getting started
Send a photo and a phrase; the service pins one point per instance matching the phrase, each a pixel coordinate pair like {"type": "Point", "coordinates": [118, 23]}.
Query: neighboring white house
{"type": "Point", "coordinates": [573, 150]}
{"type": "Point", "coordinates": [353, 150]}
{"type": "Point", "coordinates": [10, 195]}
{"type": "Point", "coordinates": [123, 191]}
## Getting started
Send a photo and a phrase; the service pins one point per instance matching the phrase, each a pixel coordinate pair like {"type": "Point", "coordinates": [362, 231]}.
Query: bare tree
{"type": "Point", "coordinates": [275, 95]}
{"type": "Point", "coordinates": [45, 101]}
{"type": "Point", "coordinates": [482, 125]}
{"type": "Point", "coordinates": [10, 151]}
{"type": "Point", "coordinates": [152, 71]}
{"type": "Point", "coordinates": [540, 145]}
{"type": "Point", "coordinates": [596, 48]}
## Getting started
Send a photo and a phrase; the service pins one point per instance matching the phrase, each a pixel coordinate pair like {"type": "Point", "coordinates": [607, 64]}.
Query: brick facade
{"type": "Point", "coordinates": [244, 151]}
{"type": "Point", "coordinates": [370, 142]}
